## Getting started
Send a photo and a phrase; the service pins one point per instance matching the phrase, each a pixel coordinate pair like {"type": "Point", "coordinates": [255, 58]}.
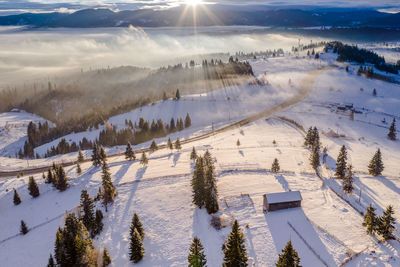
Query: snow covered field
{"type": "Point", "coordinates": [325, 231]}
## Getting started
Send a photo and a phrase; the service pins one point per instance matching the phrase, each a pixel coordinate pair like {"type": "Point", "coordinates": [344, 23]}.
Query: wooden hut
{"type": "Point", "coordinates": [282, 200]}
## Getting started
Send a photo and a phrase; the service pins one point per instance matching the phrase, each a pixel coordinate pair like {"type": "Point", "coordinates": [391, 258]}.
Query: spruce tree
{"type": "Point", "coordinates": [177, 95]}
{"type": "Point", "coordinates": [87, 205]}
{"type": "Point", "coordinates": [386, 223]}
{"type": "Point", "coordinates": [136, 250]}
{"type": "Point", "coordinates": [33, 187]}
{"type": "Point", "coordinates": [129, 153]}
{"type": "Point", "coordinates": [78, 168]}
{"type": "Point", "coordinates": [289, 257]}
{"type": "Point", "coordinates": [96, 155]}
{"type": "Point", "coordinates": [24, 229]}
{"type": "Point", "coordinates": [210, 191]}
{"type": "Point", "coordinates": [235, 253]}
{"type": "Point", "coordinates": [51, 262]}
{"type": "Point", "coordinates": [102, 154]}
{"type": "Point", "coordinates": [106, 258]}
{"type": "Point", "coordinates": [98, 224]}
{"type": "Point", "coordinates": [108, 187]}
{"type": "Point", "coordinates": [169, 144]}
{"type": "Point", "coordinates": [17, 199]}
{"type": "Point", "coordinates": [341, 163]}
{"type": "Point", "coordinates": [348, 180]}
{"type": "Point", "coordinates": [144, 160]}
{"type": "Point", "coordinates": [308, 140]}
{"type": "Point", "coordinates": [275, 166]}
{"type": "Point", "coordinates": [80, 157]}
{"type": "Point", "coordinates": [370, 220]}
{"type": "Point", "coordinates": [196, 257]}
{"type": "Point", "coordinates": [153, 146]}
{"type": "Point", "coordinates": [188, 121]}
{"type": "Point", "coordinates": [238, 143]}
{"type": "Point", "coordinates": [178, 144]}
{"type": "Point", "coordinates": [62, 183]}
{"type": "Point", "coordinates": [137, 224]}
{"type": "Point", "coordinates": [49, 179]}
{"type": "Point", "coordinates": [198, 183]}
{"type": "Point", "coordinates": [392, 130]}
{"type": "Point", "coordinates": [193, 155]}
{"type": "Point", "coordinates": [315, 163]}
{"type": "Point", "coordinates": [376, 167]}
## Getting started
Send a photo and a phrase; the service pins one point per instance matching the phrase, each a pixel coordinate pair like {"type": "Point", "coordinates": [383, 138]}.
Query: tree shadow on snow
{"type": "Point", "coordinates": [241, 153]}
{"type": "Point", "coordinates": [122, 171]}
{"type": "Point", "coordinates": [281, 179]}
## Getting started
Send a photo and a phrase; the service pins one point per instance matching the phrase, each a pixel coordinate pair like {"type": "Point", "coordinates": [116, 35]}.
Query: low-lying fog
{"type": "Point", "coordinates": [28, 54]}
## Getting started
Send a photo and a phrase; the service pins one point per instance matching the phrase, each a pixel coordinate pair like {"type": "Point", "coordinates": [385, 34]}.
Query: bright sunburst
{"type": "Point", "coordinates": [193, 2]}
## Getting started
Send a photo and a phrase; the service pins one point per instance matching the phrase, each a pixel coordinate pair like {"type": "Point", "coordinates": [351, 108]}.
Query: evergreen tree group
{"type": "Point", "coordinates": [16, 199]}
{"type": "Point", "coordinates": [375, 166]}
{"type": "Point", "coordinates": [136, 249]}
{"type": "Point", "coordinates": [382, 225]}
{"type": "Point", "coordinates": [56, 175]}
{"type": "Point", "coordinates": [129, 153]}
{"type": "Point", "coordinates": [288, 257]}
{"type": "Point", "coordinates": [204, 185]}
{"type": "Point", "coordinates": [341, 163]}
{"type": "Point", "coordinates": [312, 136]}
{"type": "Point", "coordinates": [196, 257]}
{"type": "Point", "coordinates": [33, 187]}
{"type": "Point", "coordinates": [98, 155]}
{"type": "Point", "coordinates": [235, 253]}
{"type": "Point", "coordinates": [91, 220]}
{"type": "Point", "coordinates": [153, 146]}
{"type": "Point", "coordinates": [392, 130]}
{"type": "Point", "coordinates": [275, 166]}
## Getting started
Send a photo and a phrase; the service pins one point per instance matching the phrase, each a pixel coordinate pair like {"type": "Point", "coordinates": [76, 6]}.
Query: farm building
{"type": "Point", "coordinates": [282, 200]}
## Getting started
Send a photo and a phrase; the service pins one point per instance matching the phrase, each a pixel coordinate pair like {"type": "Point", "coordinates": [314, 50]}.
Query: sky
{"type": "Point", "coordinates": [20, 6]}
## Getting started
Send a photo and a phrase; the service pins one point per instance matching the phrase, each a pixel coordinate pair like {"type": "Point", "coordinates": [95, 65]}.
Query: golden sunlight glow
{"type": "Point", "coordinates": [193, 2]}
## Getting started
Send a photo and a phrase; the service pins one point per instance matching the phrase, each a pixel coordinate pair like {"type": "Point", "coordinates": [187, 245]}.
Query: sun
{"type": "Point", "coordinates": [193, 2]}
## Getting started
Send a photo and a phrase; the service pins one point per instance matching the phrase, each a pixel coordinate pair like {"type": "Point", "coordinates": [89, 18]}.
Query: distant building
{"type": "Point", "coordinates": [283, 200]}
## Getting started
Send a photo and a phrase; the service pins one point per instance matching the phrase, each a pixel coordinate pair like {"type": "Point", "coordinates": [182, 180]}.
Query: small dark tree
{"type": "Point", "coordinates": [178, 144]}
{"type": "Point", "coordinates": [315, 163]}
{"type": "Point", "coordinates": [210, 191]}
{"type": "Point", "coordinates": [341, 163]}
{"type": "Point", "coordinates": [177, 95]}
{"type": "Point", "coordinates": [235, 253]}
{"type": "Point", "coordinates": [188, 121]}
{"type": "Point", "coordinates": [136, 250]}
{"type": "Point", "coordinates": [348, 180]}
{"type": "Point", "coordinates": [374, 92]}
{"type": "Point", "coordinates": [33, 187]}
{"type": "Point", "coordinates": [386, 223]}
{"type": "Point", "coordinates": [289, 257]}
{"type": "Point", "coordinates": [370, 220]}
{"type": "Point", "coordinates": [49, 179]}
{"type": "Point", "coordinates": [376, 167]}
{"type": "Point", "coordinates": [169, 144]}
{"type": "Point", "coordinates": [392, 130]}
{"type": "Point", "coordinates": [238, 143]}
{"type": "Point", "coordinates": [96, 155]}
{"type": "Point", "coordinates": [62, 181]}
{"type": "Point", "coordinates": [193, 155]}
{"type": "Point", "coordinates": [51, 262]}
{"type": "Point", "coordinates": [153, 146]}
{"type": "Point", "coordinates": [17, 199]}
{"type": "Point", "coordinates": [129, 153]}
{"type": "Point", "coordinates": [108, 187]}
{"type": "Point", "coordinates": [24, 228]}
{"type": "Point", "coordinates": [275, 166]}
{"type": "Point", "coordinates": [144, 160]}
{"type": "Point", "coordinates": [78, 168]}
{"type": "Point", "coordinates": [196, 257]}
{"type": "Point", "coordinates": [308, 140]}
{"type": "Point", "coordinates": [80, 156]}
{"type": "Point", "coordinates": [137, 224]}
{"type": "Point", "coordinates": [106, 258]}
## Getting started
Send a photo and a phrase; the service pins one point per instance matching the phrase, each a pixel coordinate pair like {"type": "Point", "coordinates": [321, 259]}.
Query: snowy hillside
{"type": "Point", "coordinates": [326, 231]}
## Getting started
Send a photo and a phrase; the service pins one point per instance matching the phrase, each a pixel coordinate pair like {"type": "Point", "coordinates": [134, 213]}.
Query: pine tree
{"type": "Point", "coordinates": [80, 157]}
{"type": "Point", "coordinates": [98, 224]}
{"type": "Point", "coordinates": [193, 155]}
{"type": "Point", "coordinates": [129, 153]}
{"type": "Point", "coordinates": [341, 163]}
{"type": "Point", "coordinates": [374, 92]}
{"type": "Point", "coordinates": [62, 181]}
{"type": "Point", "coordinates": [137, 224]}
{"type": "Point", "coordinates": [315, 163]}
{"type": "Point", "coordinates": [144, 160]}
{"type": "Point", "coordinates": [370, 220]}
{"type": "Point", "coordinates": [106, 258]}
{"type": "Point", "coordinates": [136, 250]}
{"type": "Point", "coordinates": [198, 182]}
{"type": "Point", "coordinates": [235, 253]}
{"type": "Point", "coordinates": [392, 130]}
{"type": "Point", "coordinates": [348, 180]}
{"type": "Point", "coordinates": [178, 144]}
{"type": "Point", "coordinates": [49, 179]}
{"type": "Point", "coordinates": [275, 166]}
{"type": "Point", "coordinates": [196, 257]}
{"type": "Point", "coordinates": [289, 257]}
{"type": "Point", "coordinates": [376, 167]}
{"type": "Point", "coordinates": [210, 191]}
{"type": "Point", "coordinates": [51, 262]}
{"type": "Point", "coordinates": [87, 205]}
{"type": "Point", "coordinates": [17, 199]}
{"type": "Point", "coordinates": [238, 142]}
{"type": "Point", "coordinates": [24, 228]}
{"type": "Point", "coordinates": [96, 155]}
{"type": "Point", "coordinates": [102, 155]}
{"type": "Point", "coordinates": [33, 187]}
{"type": "Point", "coordinates": [188, 121]}
{"type": "Point", "coordinates": [308, 140]}
{"type": "Point", "coordinates": [78, 168]}
{"type": "Point", "coordinates": [386, 223]}
{"type": "Point", "coordinates": [108, 187]}
{"type": "Point", "coordinates": [153, 146]}
{"type": "Point", "coordinates": [169, 144]}
{"type": "Point", "coordinates": [177, 95]}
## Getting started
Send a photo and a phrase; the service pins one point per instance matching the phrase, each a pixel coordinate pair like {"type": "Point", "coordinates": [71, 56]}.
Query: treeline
{"type": "Point", "coordinates": [362, 56]}
{"type": "Point", "coordinates": [135, 133]}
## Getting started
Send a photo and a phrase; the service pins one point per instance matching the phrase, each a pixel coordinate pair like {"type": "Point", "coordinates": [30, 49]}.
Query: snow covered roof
{"type": "Point", "coordinates": [283, 197]}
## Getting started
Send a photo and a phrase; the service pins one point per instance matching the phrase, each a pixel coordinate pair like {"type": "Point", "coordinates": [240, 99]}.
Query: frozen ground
{"type": "Point", "coordinates": [325, 231]}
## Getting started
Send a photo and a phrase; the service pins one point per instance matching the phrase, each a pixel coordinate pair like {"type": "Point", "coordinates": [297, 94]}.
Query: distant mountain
{"type": "Point", "coordinates": [210, 15]}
